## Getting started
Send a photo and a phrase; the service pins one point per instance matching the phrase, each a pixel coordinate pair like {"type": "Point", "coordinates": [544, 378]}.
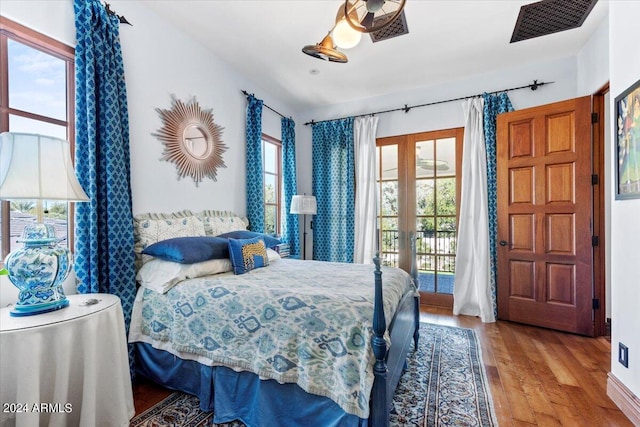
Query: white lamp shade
{"type": "Point", "coordinates": [36, 167]}
{"type": "Point", "coordinates": [304, 205]}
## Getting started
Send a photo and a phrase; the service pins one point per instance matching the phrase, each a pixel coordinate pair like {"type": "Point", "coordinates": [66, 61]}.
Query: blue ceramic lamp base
{"type": "Point", "coordinates": [38, 270]}
{"type": "Point", "coordinates": [20, 310]}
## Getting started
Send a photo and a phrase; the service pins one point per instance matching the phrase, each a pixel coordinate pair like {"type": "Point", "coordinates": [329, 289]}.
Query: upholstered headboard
{"type": "Point", "coordinates": [150, 228]}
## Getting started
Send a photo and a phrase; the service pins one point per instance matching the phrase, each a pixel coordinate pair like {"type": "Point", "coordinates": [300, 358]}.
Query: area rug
{"type": "Point", "coordinates": [445, 385]}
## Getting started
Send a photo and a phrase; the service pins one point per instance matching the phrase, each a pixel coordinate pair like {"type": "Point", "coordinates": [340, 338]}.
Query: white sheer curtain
{"type": "Point", "coordinates": [364, 138]}
{"type": "Point", "coordinates": [472, 291]}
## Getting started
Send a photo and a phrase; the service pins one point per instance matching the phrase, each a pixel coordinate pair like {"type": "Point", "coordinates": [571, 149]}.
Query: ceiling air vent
{"type": "Point", "coordinates": [395, 29]}
{"type": "Point", "coordinates": [550, 16]}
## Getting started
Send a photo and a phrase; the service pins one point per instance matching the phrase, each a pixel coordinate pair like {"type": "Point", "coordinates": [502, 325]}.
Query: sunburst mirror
{"type": "Point", "coordinates": [192, 140]}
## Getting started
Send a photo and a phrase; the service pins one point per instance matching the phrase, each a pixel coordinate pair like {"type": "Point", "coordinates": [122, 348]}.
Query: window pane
{"type": "Point", "coordinates": [270, 188]}
{"type": "Point", "coordinates": [22, 124]}
{"type": "Point", "coordinates": [2, 255]}
{"type": "Point", "coordinates": [37, 81]}
{"type": "Point", "coordinates": [425, 159]}
{"type": "Point", "coordinates": [270, 157]}
{"type": "Point", "coordinates": [446, 157]}
{"type": "Point", "coordinates": [24, 212]}
{"type": "Point", "coordinates": [425, 234]}
{"type": "Point", "coordinates": [446, 235]}
{"type": "Point", "coordinates": [389, 198]}
{"type": "Point", "coordinates": [270, 219]}
{"type": "Point", "coordinates": [446, 196]}
{"type": "Point", "coordinates": [425, 197]}
{"type": "Point", "coordinates": [389, 163]}
{"type": "Point", "coordinates": [389, 244]}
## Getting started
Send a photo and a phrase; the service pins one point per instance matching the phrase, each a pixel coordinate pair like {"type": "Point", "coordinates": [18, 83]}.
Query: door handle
{"type": "Point", "coordinates": [503, 243]}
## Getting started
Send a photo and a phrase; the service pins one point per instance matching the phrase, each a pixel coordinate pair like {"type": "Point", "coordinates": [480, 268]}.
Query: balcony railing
{"type": "Point", "coordinates": [435, 249]}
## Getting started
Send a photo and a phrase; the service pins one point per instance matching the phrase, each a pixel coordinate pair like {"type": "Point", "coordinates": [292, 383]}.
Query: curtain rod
{"type": "Point", "coordinates": [121, 18]}
{"type": "Point", "coordinates": [534, 86]}
{"type": "Point", "coordinates": [247, 94]}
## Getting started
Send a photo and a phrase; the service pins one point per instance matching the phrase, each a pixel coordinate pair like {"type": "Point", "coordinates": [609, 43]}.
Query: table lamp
{"type": "Point", "coordinates": [303, 205]}
{"type": "Point", "coordinates": [37, 167]}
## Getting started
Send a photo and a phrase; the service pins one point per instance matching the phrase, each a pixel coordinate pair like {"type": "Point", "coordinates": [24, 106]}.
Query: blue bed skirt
{"type": "Point", "coordinates": [241, 395]}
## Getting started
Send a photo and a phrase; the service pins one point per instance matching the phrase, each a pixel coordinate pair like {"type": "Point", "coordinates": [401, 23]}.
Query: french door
{"type": "Point", "coordinates": [418, 194]}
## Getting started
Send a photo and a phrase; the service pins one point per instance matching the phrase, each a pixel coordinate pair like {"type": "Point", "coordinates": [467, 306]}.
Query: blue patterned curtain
{"type": "Point", "coordinates": [104, 258]}
{"type": "Point", "coordinates": [255, 177]}
{"type": "Point", "coordinates": [290, 227]}
{"type": "Point", "coordinates": [334, 187]}
{"type": "Point", "coordinates": [493, 105]}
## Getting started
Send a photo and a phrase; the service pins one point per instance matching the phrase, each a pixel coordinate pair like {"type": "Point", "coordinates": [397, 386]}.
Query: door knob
{"type": "Point", "coordinates": [503, 243]}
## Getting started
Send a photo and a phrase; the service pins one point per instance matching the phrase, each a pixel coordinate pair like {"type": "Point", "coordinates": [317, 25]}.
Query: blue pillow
{"type": "Point", "coordinates": [189, 250]}
{"type": "Point", "coordinates": [247, 254]}
{"type": "Point", "coordinates": [269, 241]}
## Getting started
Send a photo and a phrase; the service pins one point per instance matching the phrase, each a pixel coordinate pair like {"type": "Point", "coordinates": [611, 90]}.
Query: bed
{"type": "Point", "coordinates": [290, 341]}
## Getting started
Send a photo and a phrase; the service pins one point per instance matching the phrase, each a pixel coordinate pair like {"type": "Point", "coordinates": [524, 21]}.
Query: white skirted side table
{"type": "Point", "coordinates": [69, 367]}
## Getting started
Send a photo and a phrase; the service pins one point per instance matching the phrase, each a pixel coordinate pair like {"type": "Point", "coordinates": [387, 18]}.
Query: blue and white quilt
{"type": "Point", "coordinates": [303, 322]}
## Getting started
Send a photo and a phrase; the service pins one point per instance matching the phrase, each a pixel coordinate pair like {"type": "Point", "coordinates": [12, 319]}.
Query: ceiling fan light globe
{"type": "Point", "coordinates": [344, 36]}
{"type": "Point", "coordinates": [374, 5]}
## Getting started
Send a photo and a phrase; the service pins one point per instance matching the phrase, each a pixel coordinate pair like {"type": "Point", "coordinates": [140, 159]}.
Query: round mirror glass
{"type": "Point", "coordinates": [195, 141]}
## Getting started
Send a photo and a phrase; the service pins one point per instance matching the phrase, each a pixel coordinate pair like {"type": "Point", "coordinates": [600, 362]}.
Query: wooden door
{"type": "Point", "coordinates": [544, 216]}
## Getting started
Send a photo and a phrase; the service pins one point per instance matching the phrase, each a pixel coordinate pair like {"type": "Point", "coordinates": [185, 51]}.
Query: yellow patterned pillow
{"type": "Point", "coordinates": [247, 254]}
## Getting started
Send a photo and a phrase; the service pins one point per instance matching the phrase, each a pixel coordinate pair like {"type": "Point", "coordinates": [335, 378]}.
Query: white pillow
{"type": "Point", "coordinates": [272, 255]}
{"type": "Point", "coordinates": [152, 230]}
{"type": "Point", "coordinates": [160, 275]}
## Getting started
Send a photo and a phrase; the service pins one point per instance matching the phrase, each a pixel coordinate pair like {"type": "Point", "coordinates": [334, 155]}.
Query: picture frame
{"type": "Point", "coordinates": [627, 143]}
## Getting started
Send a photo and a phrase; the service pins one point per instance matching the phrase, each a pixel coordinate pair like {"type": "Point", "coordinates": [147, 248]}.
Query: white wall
{"type": "Point", "coordinates": [160, 61]}
{"type": "Point", "coordinates": [447, 115]}
{"type": "Point", "coordinates": [593, 61]}
{"type": "Point", "coordinates": [624, 63]}
{"type": "Point", "coordinates": [593, 75]}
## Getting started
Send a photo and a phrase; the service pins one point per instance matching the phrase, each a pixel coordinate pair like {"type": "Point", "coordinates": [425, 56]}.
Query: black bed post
{"type": "Point", "coordinates": [380, 400]}
{"type": "Point", "coordinates": [414, 275]}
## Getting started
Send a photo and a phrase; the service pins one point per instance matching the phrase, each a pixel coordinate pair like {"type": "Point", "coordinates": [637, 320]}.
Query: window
{"type": "Point", "coordinates": [36, 96]}
{"type": "Point", "coordinates": [272, 169]}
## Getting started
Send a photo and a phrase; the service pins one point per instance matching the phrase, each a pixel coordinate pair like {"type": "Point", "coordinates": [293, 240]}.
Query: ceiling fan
{"type": "Point", "coordinates": [368, 16]}
{"type": "Point", "coordinates": [428, 165]}
{"type": "Point", "coordinates": [363, 16]}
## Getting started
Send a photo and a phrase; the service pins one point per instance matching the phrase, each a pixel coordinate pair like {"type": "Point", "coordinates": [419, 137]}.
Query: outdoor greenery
{"type": "Point", "coordinates": [436, 223]}
{"type": "Point", "coordinates": [270, 214]}
{"type": "Point", "coordinates": [57, 210]}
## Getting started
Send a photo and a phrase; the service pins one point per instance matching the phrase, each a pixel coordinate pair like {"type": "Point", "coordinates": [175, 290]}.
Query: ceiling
{"type": "Point", "coordinates": [447, 40]}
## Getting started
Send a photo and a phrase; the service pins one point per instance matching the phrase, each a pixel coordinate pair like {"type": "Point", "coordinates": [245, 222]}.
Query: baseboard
{"type": "Point", "coordinates": [628, 403]}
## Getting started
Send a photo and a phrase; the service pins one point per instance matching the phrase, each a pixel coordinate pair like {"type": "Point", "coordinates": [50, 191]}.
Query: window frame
{"type": "Point", "coordinates": [267, 139]}
{"type": "Point", "coordinates": [27, 36]}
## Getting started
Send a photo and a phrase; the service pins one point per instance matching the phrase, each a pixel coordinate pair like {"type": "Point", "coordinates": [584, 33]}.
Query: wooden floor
{"type": "Point", "coordinates": [538, 377]}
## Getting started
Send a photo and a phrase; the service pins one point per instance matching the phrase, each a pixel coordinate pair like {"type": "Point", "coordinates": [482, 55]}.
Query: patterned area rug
{"type": "Point", "coordinates": [445, 385]}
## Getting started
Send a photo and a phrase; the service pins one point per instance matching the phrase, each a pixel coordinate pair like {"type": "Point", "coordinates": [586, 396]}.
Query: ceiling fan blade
{"type": "Point", "coordinates": [367, 21]}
